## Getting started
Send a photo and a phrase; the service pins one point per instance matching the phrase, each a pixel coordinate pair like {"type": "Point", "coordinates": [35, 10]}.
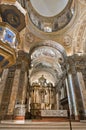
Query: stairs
{"type": "Point", "coordinates": [79, 126]}
{"type": "Point", "coordinates": [29, 125]}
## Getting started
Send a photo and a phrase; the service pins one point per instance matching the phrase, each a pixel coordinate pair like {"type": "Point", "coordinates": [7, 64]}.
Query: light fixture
{"type": "Point", "coordinates": [47, 29]}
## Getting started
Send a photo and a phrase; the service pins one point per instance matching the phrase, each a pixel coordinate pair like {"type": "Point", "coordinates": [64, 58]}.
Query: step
{"type": "Point", "coordinates": [29, 125]}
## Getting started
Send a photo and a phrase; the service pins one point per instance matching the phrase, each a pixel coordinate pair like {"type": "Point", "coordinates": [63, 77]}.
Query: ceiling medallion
{"type": "Point", "coordinates": [11, 17]}
{"type": "Point", "coordinates": [14, 14]}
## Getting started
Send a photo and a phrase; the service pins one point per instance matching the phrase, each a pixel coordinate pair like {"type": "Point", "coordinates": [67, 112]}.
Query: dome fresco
{"type": "Point", "coordinates": [49, 8]}
{"type": "Point", "coordinates": [50, 16]}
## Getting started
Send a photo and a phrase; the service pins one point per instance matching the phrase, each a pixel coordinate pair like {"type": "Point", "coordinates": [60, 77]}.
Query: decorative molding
{"type": "Point", "coordinates": [77, 63]}
{"type": "Point", "coordinates": [67, 40]}
{"type": "Point", "coordinates": [54, 113]}
{"type": "Point", "coordinates": [29, 37]}
{"type": "Point", "coordinates": [83, 2]}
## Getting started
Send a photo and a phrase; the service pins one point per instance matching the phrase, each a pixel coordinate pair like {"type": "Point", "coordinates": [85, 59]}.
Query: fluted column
{"type": "Point", "coordinates": [21, 95]}
{"type": "Point", "coordinates": [77, 92]}
{"type": "Point", "coordinates": [24, 91]}
{"type": "Point", "coordinates": [71, 97]}
{"type": "Point", "coordinates": [57, 101]}
{"type": "Point", "coordinates": [21, 98]}
{"type": "Point", "coordinates": [14, 92]}
{"type": "Point", "coordinates": [83, 90]}
{"type": "Point", "coordinates": [29, 94]}
{"type": "Point", "coordinates": [2, 82]}
{"type": "Point", "coordinates": [75, 65]}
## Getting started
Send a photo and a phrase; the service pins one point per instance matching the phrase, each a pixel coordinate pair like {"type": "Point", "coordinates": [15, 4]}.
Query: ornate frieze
{"type": "Point", "coordinates": [80, 38]}
{"type": "Point", "coordinates": [83, 2]}
{"type": "Point", "coordinates": [77, 61]}
{"type": "Point", "coordinates": [54, 113]}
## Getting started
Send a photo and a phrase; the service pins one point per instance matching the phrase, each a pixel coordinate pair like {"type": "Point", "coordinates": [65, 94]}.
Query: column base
{"type": "Point", "coordinates": [77, 118]}
{"type": "Point", "coordinates": [19, 119]}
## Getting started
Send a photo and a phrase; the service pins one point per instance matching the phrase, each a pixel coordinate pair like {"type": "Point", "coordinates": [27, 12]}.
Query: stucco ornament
{"type": "Point", "coordinates": [67, 40]}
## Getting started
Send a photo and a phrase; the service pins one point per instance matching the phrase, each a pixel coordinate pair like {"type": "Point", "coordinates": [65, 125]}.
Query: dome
{"type": "Point", "coordinates": [49, 8]}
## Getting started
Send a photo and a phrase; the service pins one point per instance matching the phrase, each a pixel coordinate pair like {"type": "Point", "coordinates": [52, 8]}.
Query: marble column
{"type": "Point", "coordinates": [57, 101]}
{"type": "Point", "coordinates": [72, 97]}
{"type": "Point", "coordinates": [76, 86]}
{"type": "Point", "coordinates": [24, 91]}
{"type": "Point", "coordinates": [2, 82]}
{"type": "Point", "coordinates": [20, 107]}
{"type": "Point", "coordinates": [70, 103]}
{"type": "Point", "coordinates": [29, 95]}
{"type": "Point", "coordinates": [28, 103]}
{"type": "Point", "coordinates": [14, 92]}
{"type": "Point", "coordinates": [22, 86]}
{"type": "Point", "coordinates": [83, 90]}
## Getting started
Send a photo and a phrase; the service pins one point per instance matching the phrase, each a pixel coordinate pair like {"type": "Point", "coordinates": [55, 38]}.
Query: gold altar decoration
{"type": "Point", "coordinates": [42, 96]}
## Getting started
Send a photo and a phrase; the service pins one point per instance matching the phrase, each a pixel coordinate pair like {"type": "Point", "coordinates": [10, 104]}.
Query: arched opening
{"type": "Point", "coordinates": [47, 86]}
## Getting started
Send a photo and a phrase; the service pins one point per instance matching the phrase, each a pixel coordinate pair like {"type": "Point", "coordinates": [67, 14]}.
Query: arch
{"type": "Point", "coordinates": [47, 57]}
{"type": "Point", "coordinates": [49, 43]}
